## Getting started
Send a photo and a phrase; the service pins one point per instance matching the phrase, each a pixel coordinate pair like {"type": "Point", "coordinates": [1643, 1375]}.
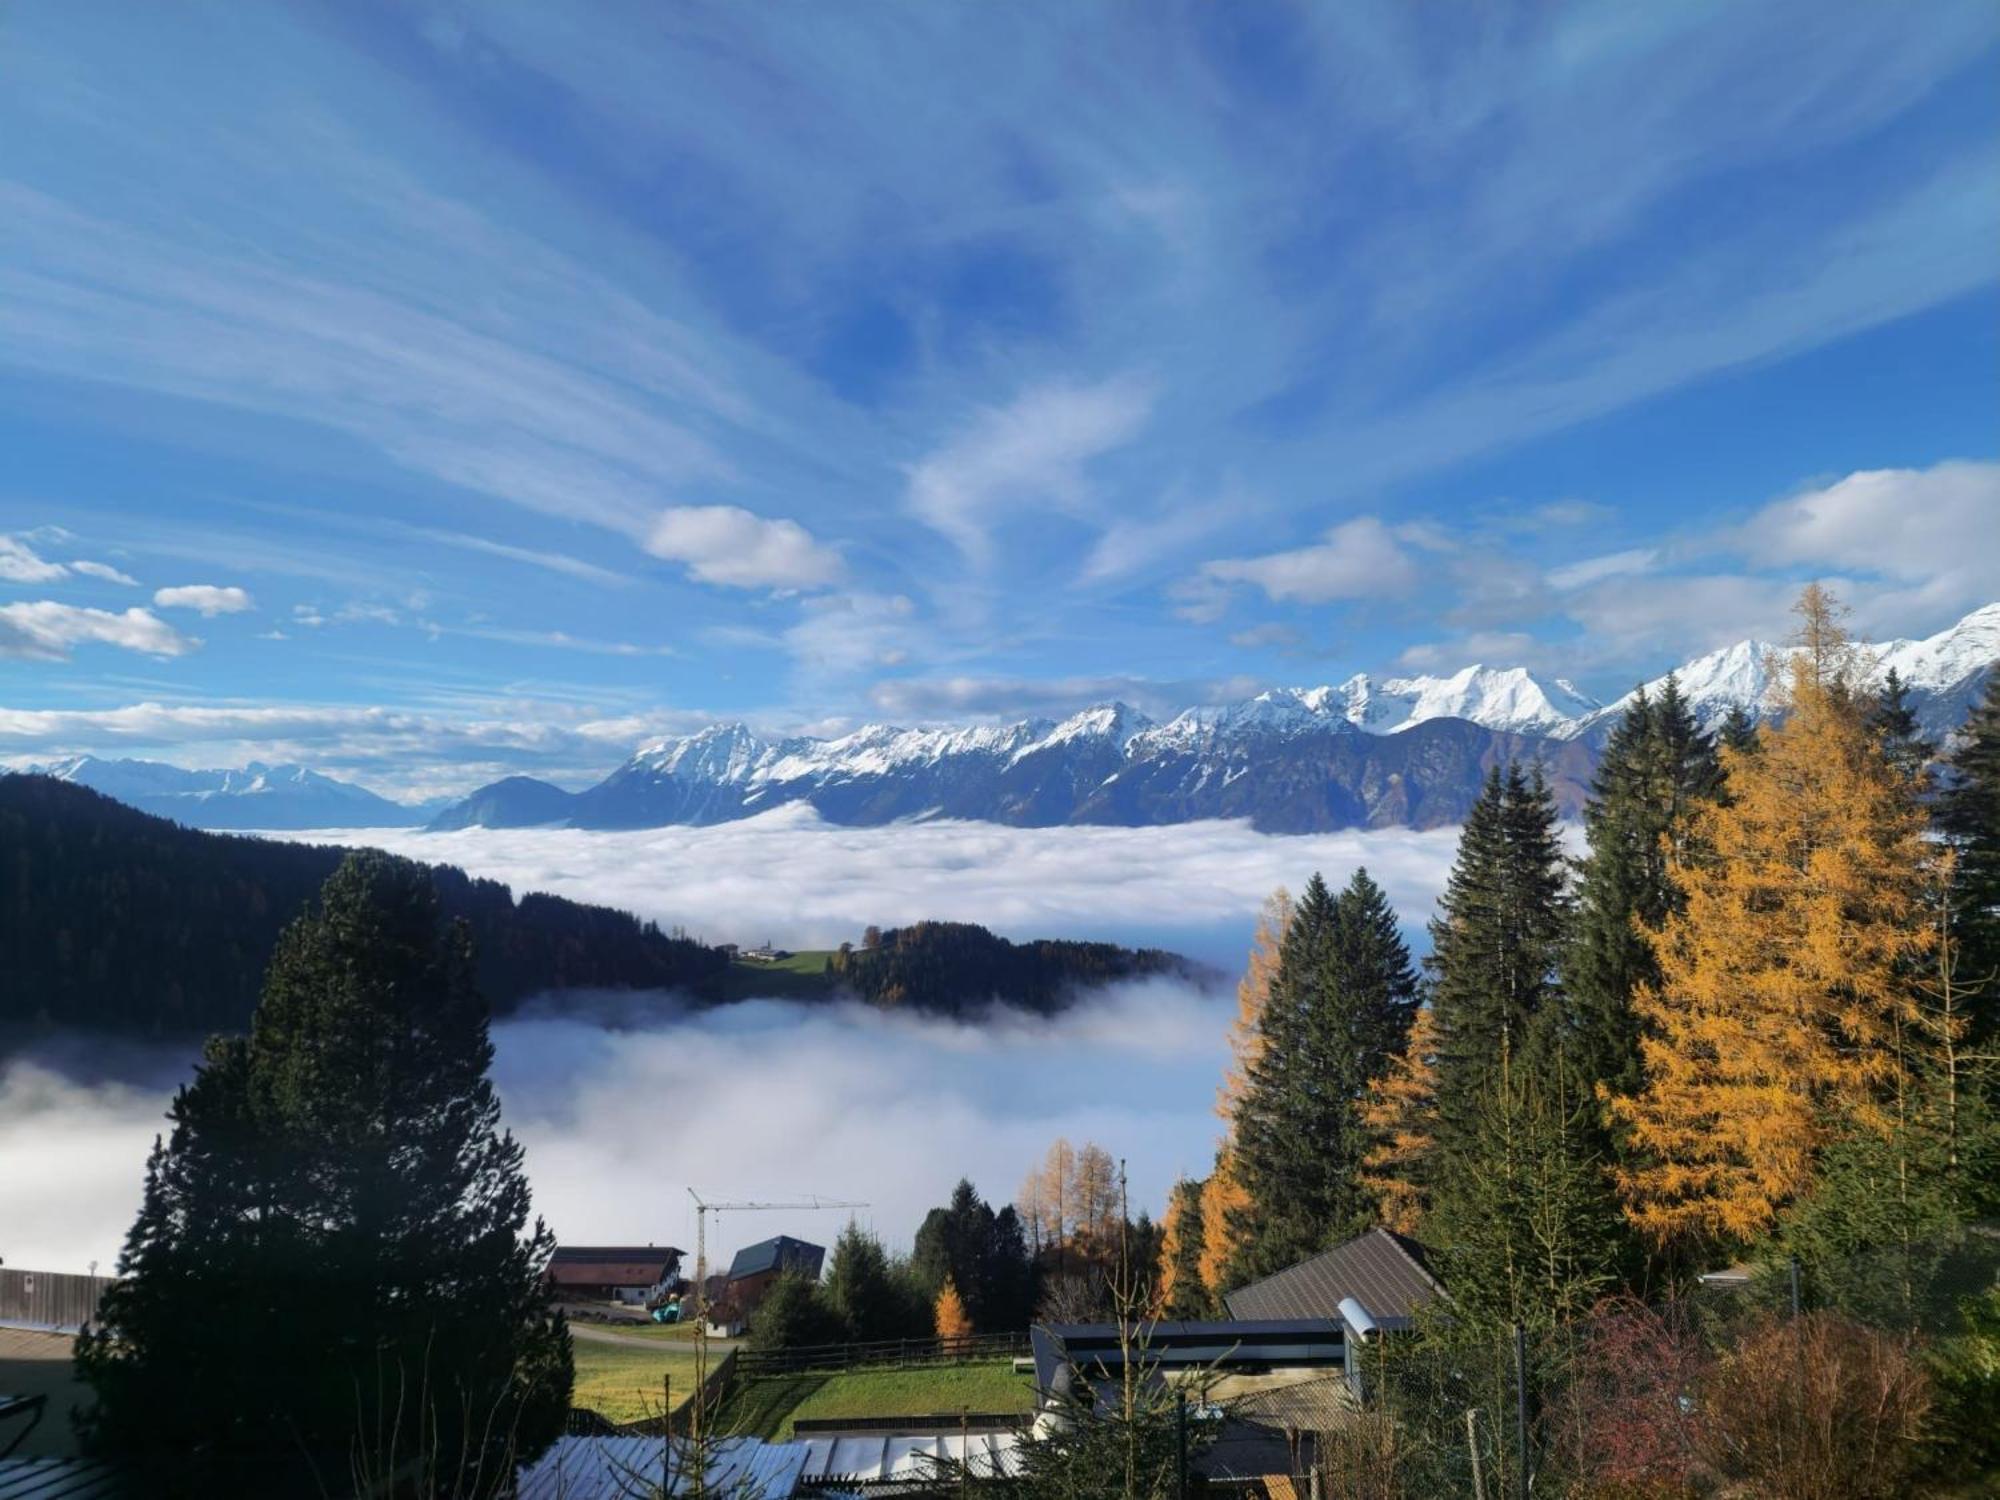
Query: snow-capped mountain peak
{"type": "Point", "coordinates": [1510, 699]}
{"type": "Point", "coordinates": [1398, 749]}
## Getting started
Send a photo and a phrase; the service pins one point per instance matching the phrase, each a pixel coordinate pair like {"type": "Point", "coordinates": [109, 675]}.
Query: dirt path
{"type": "Point", "coordinates": [598, 1333]}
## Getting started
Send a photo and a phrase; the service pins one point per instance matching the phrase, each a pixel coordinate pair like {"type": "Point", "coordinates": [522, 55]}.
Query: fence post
{"type": "Point", "coordinates": [1521, 1405]}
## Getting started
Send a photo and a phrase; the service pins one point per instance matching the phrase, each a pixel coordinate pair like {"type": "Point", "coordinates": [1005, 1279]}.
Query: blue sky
{"type": "Point", "coordinates": [427, 391]}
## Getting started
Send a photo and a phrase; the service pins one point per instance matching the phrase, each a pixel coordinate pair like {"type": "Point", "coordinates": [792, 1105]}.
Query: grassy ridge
{"type": "Point", "coordinates": [803, 976]}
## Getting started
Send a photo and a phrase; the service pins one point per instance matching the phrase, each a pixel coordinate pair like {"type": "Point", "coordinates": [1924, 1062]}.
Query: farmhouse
{"type": "Point", "coordinates": [614, 1273]}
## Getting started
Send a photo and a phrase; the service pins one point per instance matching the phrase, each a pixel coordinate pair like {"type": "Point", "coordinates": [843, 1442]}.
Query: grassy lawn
{"type": "Point", "coordinates": [767, 1407]}
{"type": "Point", "coordinates": [621, 1382]}
{"type": "Point", "coordinates": [802, 976]}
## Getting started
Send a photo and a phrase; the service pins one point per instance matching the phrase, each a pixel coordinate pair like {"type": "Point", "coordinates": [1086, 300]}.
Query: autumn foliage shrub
{"type": "Point", "coordinates": [1817, 1408]}
{"type": "Point", "coordinates": [1625, 1423]}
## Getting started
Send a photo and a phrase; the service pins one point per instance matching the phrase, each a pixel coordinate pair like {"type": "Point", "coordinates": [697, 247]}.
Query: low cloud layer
{"type": "Point", "coordinates": [626, 1106]}
{"type": "Point", "coordinates": [791, 878]}
{"type": "Point", "coordinates": [768, 1100]}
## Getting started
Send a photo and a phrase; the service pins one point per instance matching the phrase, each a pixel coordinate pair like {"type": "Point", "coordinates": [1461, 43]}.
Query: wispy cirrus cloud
{"type": "Point", "coordinates": [1031, 454]}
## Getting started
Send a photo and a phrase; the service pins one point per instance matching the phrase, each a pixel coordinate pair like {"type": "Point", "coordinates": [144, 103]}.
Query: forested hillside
{"type": "Point", "coordinates": [950, 965]}
{"type": "Point", "coordinates": [114, 920]}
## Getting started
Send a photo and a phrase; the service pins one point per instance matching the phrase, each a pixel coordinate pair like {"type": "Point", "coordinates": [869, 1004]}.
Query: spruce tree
{"type": "Point", "coordinates": [1339, 1007]}
{"type": "Point", "coordinates": [1523, 1218]}
{"type": "Point", "coordinates": [1894, 722]}
{"type": "Point", "coordinates": [1658, 766]}
{"type": "Point", "coordinates": [332, 1271]}
{"type": "Point", "coordinates": [1495, 945]}
{"type": "Point", "coordinates": [1739, 730]}
{"type": "Point", "coordinates": [1968, 815]}
{"type": "Point", "coordinates": [866, 1294]}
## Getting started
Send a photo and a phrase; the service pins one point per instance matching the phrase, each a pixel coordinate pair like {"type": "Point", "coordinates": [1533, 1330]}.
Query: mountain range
{"type": "Point", "coordinates": [256, 796]}
{"type": "Point", "coordinates": [1366, 753]}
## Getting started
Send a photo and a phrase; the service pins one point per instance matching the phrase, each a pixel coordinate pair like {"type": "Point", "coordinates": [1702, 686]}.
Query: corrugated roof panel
{"type": "Point", "coordinates": [1384, 1272]}
{"type": "Point", "coordinates": [613, 1468]}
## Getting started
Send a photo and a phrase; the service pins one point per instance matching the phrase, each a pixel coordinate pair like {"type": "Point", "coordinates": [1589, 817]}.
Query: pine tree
{"type": "Point", "coordinates": [1181, 1292]}
{"type": "Point", "coordinates": [1339, 1008]}
{"type": "Point", "coordinates": [1495, 946]}
{"type": "Point", "coordinates": [338, 1183]}
{"type": "Point", "coordinates": [1657, 768]}
{"type": "Point", "coordinates": [1784, 987]}
{"type": "Point", "coordinates": [1400, 1116]}
{"type": "Point", "coordinates": [1968, 815]}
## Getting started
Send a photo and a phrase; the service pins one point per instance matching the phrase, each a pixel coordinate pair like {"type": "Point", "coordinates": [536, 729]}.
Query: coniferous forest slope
{"type": "Point", "coordinates": [116, 921]}
{"type": "Point", "coordinates": [113, 919]}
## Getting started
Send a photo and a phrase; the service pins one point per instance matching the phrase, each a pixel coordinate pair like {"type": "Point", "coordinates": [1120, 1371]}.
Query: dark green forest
{"type": "Point", "coordinates": [954, 965]}
{"type": "Point", "coordinates": [114, 920]}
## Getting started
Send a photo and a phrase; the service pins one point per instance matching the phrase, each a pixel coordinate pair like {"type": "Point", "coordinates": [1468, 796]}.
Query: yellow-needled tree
{"type": "Point", "coordinates": [1400, 1114]}
{"type": "Point", "coordinates": [949, 1315]}
{"type": "Point", "coordinates": [1785, 985]}
{"type": "Point", "coordinates": [1223, 1196]}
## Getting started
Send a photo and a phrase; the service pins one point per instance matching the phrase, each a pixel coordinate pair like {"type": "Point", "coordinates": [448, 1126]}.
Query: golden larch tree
{"type": "Point", "coordinates": [949, 1316]}
{"type": "Point", "coordinates": [1785, 984]}
{"type": "Point", "coordinates": [1400, 1114]}
{"type": "Point", "coordinates": [1223, 1197]}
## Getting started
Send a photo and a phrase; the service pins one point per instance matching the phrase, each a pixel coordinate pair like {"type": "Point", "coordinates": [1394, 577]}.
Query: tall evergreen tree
{"type": "Point", "coordinates": [1495, 946]}
{"type": "Point", "coordinates": [1658, 766]}
{"type": "Point", "coordinates": [1523, 1216]}
{"type": "Point", "coordinates": [1968, 815]}
{"type": "Point", "coordinates": [866, 1293]}
{"type": "Point", "coordinates": [984, 1253]}
{"type": "Point", "coordinates": [332, 1272]}
{"type": "Point", "coordinates": [1739, 730]}
{"type": "Point", "coordinates": [1339, 1008]}
{"type": "Point", "coordinates": [1894, 722]}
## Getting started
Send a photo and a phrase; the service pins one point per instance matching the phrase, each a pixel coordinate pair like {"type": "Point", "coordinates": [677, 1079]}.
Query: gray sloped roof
{"type": "Point", "coordinates": [1387, 1273]}
{"type": "Point", "coordinates": [782, 1253]}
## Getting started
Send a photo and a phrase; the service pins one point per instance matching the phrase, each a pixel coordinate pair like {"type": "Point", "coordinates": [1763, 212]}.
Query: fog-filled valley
{"type": "Point", "coordinates": [625, 1101]}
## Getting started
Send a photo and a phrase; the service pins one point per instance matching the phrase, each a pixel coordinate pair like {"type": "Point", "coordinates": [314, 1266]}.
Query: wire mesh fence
{"type": "Point", "coordinates": [1851, 1377]}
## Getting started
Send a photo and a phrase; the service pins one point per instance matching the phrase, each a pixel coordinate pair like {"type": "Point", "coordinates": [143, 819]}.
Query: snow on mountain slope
{"type": "Point", "coordinates": [1506, 698]}
{"type": "Point", "coordinates": [1943, 672]}
{"type": "Point", "coordinates": [1370, 750]}
{"type": "Point", "coordinates": [253, 796]}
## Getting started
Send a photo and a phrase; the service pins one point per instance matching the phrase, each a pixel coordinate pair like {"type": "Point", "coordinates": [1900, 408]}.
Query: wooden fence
{"type": "Point", "coordinates": [901, 1353]}
{"type": "Point", "coordinates": [49, 1299]}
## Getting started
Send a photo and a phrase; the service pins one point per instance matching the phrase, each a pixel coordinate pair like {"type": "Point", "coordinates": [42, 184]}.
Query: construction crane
{"type": "Point", "coordinates": [702, 1209]}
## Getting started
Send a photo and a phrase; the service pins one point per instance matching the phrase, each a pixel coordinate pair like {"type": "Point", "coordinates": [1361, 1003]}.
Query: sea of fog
{"type": "Point", "coordinates": [772, 1099]}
